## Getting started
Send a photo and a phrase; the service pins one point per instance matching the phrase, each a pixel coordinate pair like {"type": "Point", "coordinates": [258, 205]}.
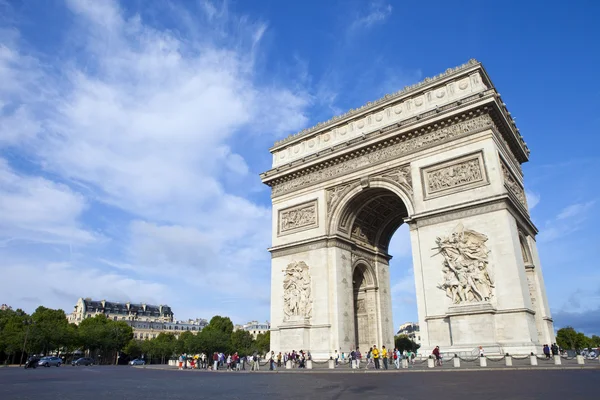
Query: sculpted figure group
{"type": "Point", "coordinates": [467, 277]}
{"type": "Point", "coordinates": [297, 297]}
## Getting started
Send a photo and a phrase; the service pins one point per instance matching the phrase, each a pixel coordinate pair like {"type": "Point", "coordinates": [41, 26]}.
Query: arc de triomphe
{"type": "Point", "coordinates": [443, 156]}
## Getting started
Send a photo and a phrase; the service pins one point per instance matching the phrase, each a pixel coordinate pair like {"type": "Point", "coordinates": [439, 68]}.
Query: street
{"type": "Point", "coordinates": [104, 382]}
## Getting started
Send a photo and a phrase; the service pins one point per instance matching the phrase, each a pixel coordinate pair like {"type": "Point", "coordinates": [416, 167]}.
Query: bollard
{"type": "Point", "coordinates": [309, 364]}
{"type": "Point", "coordinates": [288, 364]}
{"type": "Point", "coordinates": [508, 361]}
{"type": "Point", "coordinates": [533, 360]}
{"type": "Point", "coordinates": [456, 362]}
{"type": "Point", "coordinates": [557, 360]}
{"type": "Point", "coordinates": [482, 362]}
{"type": "Point", "coordinates": [580, 360]}
{"type": "Point", "coordinates": [430, 362]}
{"type": "Point", "coordinates": [404, 363]}
{"type": "Point", "coordinates": [331, 364]}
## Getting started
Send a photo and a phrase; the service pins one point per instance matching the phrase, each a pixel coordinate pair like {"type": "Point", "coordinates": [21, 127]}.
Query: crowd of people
{"type": "Point", "coordinates": [376, 358]}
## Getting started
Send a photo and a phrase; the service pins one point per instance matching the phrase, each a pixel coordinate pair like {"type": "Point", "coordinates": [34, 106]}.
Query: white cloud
{"type": "Point", "coordinates": [37, 209]}
{"type": "Point", "coordinates": [569, 220]}
{"type": "Point", "coordinates": [575, 210]}
{"type": "Point", "coordinates": [533, 199]}
{"type": "Point", "coordinates": [378, 12]}
{"type": "Point", "coordinates": [146, 120]}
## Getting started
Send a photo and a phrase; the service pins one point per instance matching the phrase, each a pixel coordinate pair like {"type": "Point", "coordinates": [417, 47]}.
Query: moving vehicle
{"type": "Point", "coordinates": [137, 361]}
{"type": "Point", "coordinates": [50, 361]}
{"type": "Point", "coordinates": [83, 361]}
{"type": "Point", "coordinates": [32, 362]}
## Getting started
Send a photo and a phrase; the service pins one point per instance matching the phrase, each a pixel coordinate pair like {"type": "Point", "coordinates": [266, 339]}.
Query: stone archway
{"type": "Point", "coordinates": [443, 156]}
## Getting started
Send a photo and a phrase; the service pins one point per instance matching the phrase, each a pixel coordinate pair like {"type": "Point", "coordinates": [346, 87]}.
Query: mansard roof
{"type": "Point", "coordinates": [127, 307]}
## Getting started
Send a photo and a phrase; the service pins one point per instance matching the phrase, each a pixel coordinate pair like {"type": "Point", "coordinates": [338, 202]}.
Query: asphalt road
{"type": "Point", "coordinates": [102, 382]}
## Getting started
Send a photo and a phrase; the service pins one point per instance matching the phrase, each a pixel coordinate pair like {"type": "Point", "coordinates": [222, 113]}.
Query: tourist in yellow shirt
{"type": "Point", "coordinates": [375, 353]}
{"type": "Point", "coordinates": [384, 355]}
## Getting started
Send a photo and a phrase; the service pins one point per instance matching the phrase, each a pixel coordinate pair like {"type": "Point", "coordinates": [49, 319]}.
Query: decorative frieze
{"type": "Point", "coordinates": [299, 217]}
{"type": "Point", "coordinates": [376, 155]}
{"type": "Point", "coordinates": [464, 173]}
{"type": "Point", "coordinates": [513, 186]}
{"type": "Point", "coordinates": [334, 194]}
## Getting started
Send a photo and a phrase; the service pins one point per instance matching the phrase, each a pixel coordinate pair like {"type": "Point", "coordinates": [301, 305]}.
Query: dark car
{"type": "Point", "coordinates": [83, 361]}
{"type": "Point", "coordinates": [137, 361]}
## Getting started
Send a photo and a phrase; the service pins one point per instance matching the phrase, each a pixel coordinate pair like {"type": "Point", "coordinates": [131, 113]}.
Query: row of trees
{"type": "Point", "coordinates": [217, 336]}
{"type": "Point", "coordinates": [569, 339]}
{"type": "Point", "coordinates": [47, 331]}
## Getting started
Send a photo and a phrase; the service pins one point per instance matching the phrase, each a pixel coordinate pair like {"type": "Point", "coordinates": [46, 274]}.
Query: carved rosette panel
{"type": "Point", "coordinates": [455, 175]}
{"type": "Point", "coordinates": [392, 151]}
{"type": "Point", "coordinates": [297, 292]}
{"type": "Point", "coordinates": [513, 186]}
{"type": "Point", "coordinates": [467, 274]}
{"type": "Point", "coordinates": [299, 217]}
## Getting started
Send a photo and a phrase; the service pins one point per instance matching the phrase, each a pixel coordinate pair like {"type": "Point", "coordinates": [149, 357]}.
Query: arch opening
{"type": "Point", "coordinates": [372, 216]}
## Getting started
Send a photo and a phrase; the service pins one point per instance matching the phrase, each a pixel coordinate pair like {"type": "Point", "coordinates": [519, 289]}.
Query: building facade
{"type": "Point", "coordinates": [410, 329]}
{"type": "Point", "coordinates": [146, 320]}
{"type": "Point", "coordinates": [254, 327]}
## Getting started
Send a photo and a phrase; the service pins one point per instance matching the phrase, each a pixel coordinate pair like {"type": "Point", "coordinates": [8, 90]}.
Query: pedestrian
{"type": "Point", "coordinates": [336, 357]}
{"type": "Point", "coordinates": [215, 361]}
{"type": "Point", "coordinates": [375, 355]}
{"type": "Point", "coordinates": [358, 357]}
{"type": "Point", "coordinates": [437, 355]}
{"type": "Point", "coordinates": [384, 356]}
{"type": "Point", "coordinates": [481, 353]}
{"type": "Point", "coordinates": [181, 362]}
{"type": "Point", "coordinates": [397, 357]}
{"type": "Point", "coordinates": [272, 361]}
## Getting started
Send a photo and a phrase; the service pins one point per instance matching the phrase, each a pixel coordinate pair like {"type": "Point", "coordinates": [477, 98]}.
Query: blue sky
{"type": "Point", "coordinates": [132, 135]}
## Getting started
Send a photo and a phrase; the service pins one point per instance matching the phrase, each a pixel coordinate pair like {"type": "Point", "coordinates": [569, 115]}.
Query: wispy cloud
{"type": "Point", "coordinates": [378, 12]}
{"type": "Point", "coordinates": [569, 220]}
{"type": "Point", "coordinates": [533, 199]}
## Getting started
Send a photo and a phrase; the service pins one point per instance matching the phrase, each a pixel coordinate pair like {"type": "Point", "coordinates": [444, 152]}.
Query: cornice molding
{"type": "Point", "coordinates": [434, 134]}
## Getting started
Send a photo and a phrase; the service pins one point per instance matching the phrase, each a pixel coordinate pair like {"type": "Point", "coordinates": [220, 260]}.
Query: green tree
{"type": "Point", "coordinates": [569, 338]}
{"type": "Point", "coordinates": [106, 336]}
{"type": "Point", "coordinates": [50, 331]}
{"type": "Point", "coordinates": [164, 346]}
{"type": "Point", "coordinates": [403, 342]}
{"type": "Point", "coordinates": [133, 349]}
{"type": "Point", "coordinates": [263, 342]}
{"type": "Point", "coordinates": [186, 343]}
{"type": "Point", "coordinates": [242, 342]}
{"type": "Point", "coordinates": [13, 330]}
{"type": "Point", "coordinates": [595, 341]}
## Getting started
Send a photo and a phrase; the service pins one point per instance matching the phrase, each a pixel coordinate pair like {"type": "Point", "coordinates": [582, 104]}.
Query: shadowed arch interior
{"type": "Point", "coordinates": [373, 216]}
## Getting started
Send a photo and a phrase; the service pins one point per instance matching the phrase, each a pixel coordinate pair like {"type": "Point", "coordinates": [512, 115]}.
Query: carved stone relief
{"type": "Point", "coordinates": [513, 185]}
{"type": "Point", "coordinates": [297, 293]}
{"type": "Point", "coordinates": [392, 151]}
{"type": "Point", "coordinates": [467, 276]}
{"type": "Point", "coordinates": [299, 217]}
{"type": "Point", "coordinates": [334, 194]}
{"type": "Point", "coordinates": [450, 176]}
{"type": "Point", "coordinates": [401, 175]}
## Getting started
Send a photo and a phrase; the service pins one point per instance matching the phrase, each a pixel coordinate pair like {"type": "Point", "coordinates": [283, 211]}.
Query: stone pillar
{"type": "Point", "coordinates": [331, 364]}
{"type": "Point", "coordinates": [580, 360]}
{"type": "Point", "coordinates": [404, 363]}
{"type": "Point", "coordinates": [309, 364]}
{"type": "Point", "coordinates": [430, 362]}
{"type": "Point", "coordinates": [557, 360]}
{"type": "Point", "coordinates": [482, 362]}
{"type": "Point", "coordinates": [533, 360]}
{"type": "Point", "coordinates": [288, 364]}
{"type": "Point", "coordinates": [456, 362]}
{"type": "Point", "coordinates": [508, 361]}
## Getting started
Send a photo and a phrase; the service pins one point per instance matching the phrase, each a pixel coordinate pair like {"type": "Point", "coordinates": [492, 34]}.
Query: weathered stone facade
{"type": "Point", "coordinates": [442, 156]}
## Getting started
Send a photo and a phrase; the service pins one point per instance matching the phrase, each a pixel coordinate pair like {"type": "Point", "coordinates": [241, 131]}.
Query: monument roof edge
{"type": "Point", "coordinates": [374, 104]}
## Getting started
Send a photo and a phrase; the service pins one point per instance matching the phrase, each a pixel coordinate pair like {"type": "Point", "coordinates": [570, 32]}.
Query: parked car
{"type": "Point", "coordinates": [83, 361]}
{"type": "Point", "coordinates": [137, 361]}
{"type": "Point", "coordinates": [50, 361]}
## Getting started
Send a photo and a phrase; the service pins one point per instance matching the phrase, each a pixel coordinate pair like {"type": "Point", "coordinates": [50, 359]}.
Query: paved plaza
{"type": "Point", "coordinates": [105, 382]}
